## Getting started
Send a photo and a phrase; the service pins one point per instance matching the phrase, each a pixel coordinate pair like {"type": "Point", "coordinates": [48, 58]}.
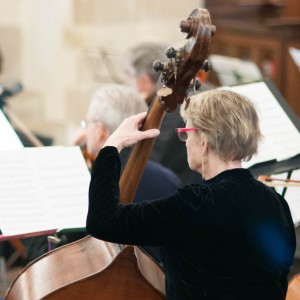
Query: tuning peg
{"type": "Point", "coordinates": [197, 84]}
{"type": "Point", "coordinates": [160, 66]}
{"type": "Point", "coordinates": [157, 66]}
{"type": "Point", "coordinates": [206, 66]}
{"type": "Point", "coordinates": [171, 52]}
{"type": "Point", "coordinates": [177, 54]}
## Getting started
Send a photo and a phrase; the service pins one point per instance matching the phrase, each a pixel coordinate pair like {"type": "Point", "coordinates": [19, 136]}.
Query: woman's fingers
{"type": "Point", "coordinates": [137, 120]}
{"type": "Point", "coordinates": [140, 117]}
{"type": "Point", "coordinates": [139, 136]}
{"type": "Point", "coordinates": [150, 133]}
{"type": "Point", "coordinates": [128, 132]}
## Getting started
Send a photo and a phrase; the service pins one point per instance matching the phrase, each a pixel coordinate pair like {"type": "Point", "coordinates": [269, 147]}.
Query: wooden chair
{"type": "Point", "coordinates": [293, 292]}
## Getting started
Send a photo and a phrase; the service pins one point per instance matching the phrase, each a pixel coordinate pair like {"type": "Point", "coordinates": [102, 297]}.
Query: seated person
{"type": "Point", "coordinates": [109, 106]}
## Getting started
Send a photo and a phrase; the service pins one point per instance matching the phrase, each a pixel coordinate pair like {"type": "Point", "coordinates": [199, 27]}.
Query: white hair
{"type": "Point", "coordinates": [112, 103]}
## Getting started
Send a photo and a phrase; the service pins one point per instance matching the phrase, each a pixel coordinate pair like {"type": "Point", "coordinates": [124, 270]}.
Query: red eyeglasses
{"type": "Point", "coordinates": [182, 133]}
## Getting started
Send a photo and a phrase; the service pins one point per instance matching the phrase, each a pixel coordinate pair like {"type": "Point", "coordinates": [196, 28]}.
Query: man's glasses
{"type": "Point", "coordinates": [84, 123]}
{"type": "Point", "coordinates": [182, 133]}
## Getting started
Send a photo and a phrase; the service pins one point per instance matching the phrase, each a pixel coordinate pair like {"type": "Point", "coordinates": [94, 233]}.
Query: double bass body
{"type": "Point", "coordinates": [89, 269]}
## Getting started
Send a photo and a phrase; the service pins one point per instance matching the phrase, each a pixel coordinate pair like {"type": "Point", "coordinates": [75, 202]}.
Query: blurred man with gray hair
{"type": "Point", "coordinates": [109, 106]}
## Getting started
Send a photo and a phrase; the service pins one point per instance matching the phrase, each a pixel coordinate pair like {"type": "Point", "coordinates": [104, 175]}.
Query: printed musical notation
{"type": "Point", "coordinates": [42, 188]}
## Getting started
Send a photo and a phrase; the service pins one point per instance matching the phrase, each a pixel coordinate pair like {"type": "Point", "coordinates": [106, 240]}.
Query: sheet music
{"type": "Point", "coordinates": [9, 140]}
{"type": "Point", "coordinates": [232, 70]}
{"type": "Point", "coordinates": [43, 188]}
{"type": "Point", "coordinates": [281, 137]}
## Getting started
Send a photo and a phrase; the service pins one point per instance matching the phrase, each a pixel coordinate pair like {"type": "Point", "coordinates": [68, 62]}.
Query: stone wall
{"type": "Point", "coordinates": [62, 50]}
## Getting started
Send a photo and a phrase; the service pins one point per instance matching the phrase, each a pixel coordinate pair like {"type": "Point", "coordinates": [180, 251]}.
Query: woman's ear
{"type": "Point", "coordinates": [204, 145]}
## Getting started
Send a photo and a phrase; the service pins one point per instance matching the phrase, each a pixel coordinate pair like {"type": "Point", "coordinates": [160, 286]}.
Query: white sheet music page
{"type": "Point", "coordinates": [43, 188]}
{"type": "Point", "coordinates": [281, 137]}
{"type": "Point", "coordinates": [8, 138]}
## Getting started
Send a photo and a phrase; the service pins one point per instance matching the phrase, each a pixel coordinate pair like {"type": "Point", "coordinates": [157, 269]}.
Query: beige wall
{"type": "Point", "coordinates": [60, 49]}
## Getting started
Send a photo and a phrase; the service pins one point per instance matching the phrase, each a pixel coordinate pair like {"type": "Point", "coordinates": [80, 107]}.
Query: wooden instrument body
{"type": "Point", "coordinates": [108, 273]}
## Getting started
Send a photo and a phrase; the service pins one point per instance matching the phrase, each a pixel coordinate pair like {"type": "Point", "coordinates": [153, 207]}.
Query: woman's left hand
{"type": "Point", "coordinates": [128, 133]}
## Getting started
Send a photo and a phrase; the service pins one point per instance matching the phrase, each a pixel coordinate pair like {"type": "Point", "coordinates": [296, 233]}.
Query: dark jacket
{"type": "Point", "coordinates": [251, 222]}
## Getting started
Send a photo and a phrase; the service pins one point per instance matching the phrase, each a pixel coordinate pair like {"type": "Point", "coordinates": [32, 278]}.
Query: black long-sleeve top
{"type": "Point", "coordinates": [230, 237]}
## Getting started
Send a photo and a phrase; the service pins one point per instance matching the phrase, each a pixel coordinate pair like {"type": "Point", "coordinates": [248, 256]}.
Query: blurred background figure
{"type": "Point", "coordinates": [138, 64]}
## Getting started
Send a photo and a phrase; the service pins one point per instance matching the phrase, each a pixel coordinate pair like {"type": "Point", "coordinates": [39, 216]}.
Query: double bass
{"type": "Point", "coordinates": [94, 269]}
